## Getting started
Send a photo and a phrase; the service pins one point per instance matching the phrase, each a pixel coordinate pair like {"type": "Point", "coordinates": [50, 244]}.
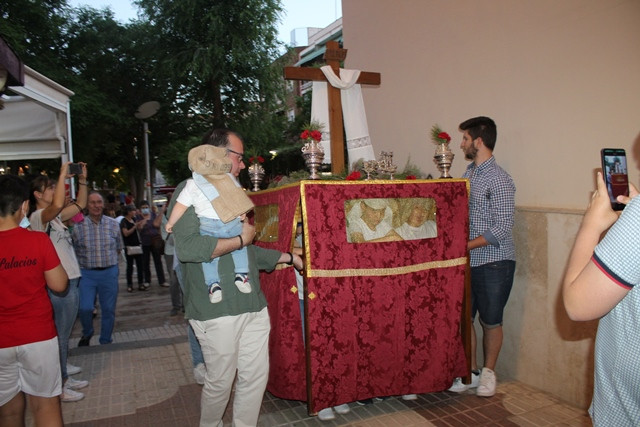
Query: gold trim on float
{"type": "Point", "coordinates": [355, 272]}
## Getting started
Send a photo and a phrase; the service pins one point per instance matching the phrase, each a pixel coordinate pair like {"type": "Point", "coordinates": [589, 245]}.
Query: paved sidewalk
{"type": "Point", "coordinates": [145, 378]}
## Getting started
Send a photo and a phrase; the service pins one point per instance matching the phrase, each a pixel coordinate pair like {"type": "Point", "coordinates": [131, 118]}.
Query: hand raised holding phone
{"type": "Point", "coordinates": [75, 169]}
{"type": "Point", "coordinates": [614, 171]}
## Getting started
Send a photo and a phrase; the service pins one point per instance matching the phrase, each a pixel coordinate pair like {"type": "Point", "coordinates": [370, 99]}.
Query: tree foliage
{"type": "Point", "coordinates": [207, 62]}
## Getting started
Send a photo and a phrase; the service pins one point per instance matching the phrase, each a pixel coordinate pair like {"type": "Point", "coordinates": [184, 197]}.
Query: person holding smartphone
{"type": "Point", "coordinates": [599, 283]}
{"type": "Point", "coordinates": [48, 212]}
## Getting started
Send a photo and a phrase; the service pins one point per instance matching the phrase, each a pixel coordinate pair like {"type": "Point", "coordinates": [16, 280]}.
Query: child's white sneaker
{"type": "Point", "coordinates": [215, 293]}
{"type": "Point", "coordinates": [242, 283]}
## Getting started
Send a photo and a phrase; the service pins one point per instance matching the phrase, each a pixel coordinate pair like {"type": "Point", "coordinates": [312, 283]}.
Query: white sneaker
{"type": "Point", "coordinates": [487, 386]}
{"type": "Point", "coordinates": [215, 293]}
{"type": "Point", "coordinates": [242, 283]}
{"type": "Point", "coordinates": [326, 414]}
{"type": "Point", "coordinates": [75, 384]}
{"type": "Point", "coordinates": [199, 373]}
{"type": "Point", "coordinates": [409, 397]}
{"type": "Point", "coordinates": [459, 387]}
{"type": "Point", "coordinates": [69, 395]}
{"type": "Point", "coordinates": [342, 409]}
{"type": "Point", "coordinates": [72, 370]}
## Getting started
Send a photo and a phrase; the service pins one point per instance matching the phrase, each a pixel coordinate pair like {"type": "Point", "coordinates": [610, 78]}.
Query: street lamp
{"type": "Point", "coordinates": [146, 110]}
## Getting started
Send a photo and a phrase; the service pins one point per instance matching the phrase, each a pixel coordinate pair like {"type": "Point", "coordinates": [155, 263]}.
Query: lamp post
{"type": "Point", "coordinates": [146, 110]}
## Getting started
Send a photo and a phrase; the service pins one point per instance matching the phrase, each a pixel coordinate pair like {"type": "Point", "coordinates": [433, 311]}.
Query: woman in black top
{"type": "Point", "coordinates": [130, 236]}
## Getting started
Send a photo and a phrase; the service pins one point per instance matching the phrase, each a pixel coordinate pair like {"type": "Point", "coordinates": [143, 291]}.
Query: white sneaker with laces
{"type": "Point", "coordinates": [199, 373]}
{"type": "Point", "coordinates": [487, 386]}
{"type": "Point", "coordinates": [75, 384]}
{"type": "Point", "coordinates": [69, 395]}
{"type": "Point", "coordinates": [72, 370]}
{"type": "Point", "coordinates": [215, 293]}
{"type": "Point", "coordinates": [459, 387]}
{"type": "Point", "coordinates": [409, 397]}
{"type": "Point", "coordinates": [342, 409]}
{"type": "Point", "coordinates": [326, 414]}
{"type": "Point", "coordinates": [242, 283]}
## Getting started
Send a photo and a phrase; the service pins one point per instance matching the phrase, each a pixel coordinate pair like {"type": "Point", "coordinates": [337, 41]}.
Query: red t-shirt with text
{"type": "Point", "coordinates": [26, 315]}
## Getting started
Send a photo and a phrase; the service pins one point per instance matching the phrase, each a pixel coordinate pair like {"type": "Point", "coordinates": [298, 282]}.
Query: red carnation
{"type": "Point", "coordinates": [445, 136]}
{"type": "Point", "coordinates": [317, 135]}
{"type": "Point", "coordinates": [354, 176]}
{"type": "Point", "coordinates": [260, 159]}
{"type": "Point", "coordinates": [251, 159]}
{"type": "Point", "coordinates": [304, 135]}
{"type": "Point", "coordinates": [410, 177]}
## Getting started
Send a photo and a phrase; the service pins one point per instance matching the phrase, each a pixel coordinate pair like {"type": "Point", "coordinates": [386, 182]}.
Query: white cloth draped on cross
{"type": "Point", "coordinates": [354, 116]}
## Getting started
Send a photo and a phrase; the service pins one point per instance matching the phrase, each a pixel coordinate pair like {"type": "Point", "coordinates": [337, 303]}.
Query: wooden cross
{"type": "Point", "coordinates": [332, 56]}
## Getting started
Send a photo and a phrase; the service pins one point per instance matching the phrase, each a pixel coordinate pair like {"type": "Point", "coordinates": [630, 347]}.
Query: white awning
{"type": "Point", "coordinates": [35, 124]}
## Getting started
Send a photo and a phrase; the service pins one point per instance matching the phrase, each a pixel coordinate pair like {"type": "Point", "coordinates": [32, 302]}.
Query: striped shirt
{"type": "Point", "coordinates": [97, 245]}
{"type": "Point", "coordinates": [491, 212]}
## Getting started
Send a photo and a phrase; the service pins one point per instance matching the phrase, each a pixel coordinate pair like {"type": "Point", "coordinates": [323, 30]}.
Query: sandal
{"type": "Point", "coordinates": [129, 289]}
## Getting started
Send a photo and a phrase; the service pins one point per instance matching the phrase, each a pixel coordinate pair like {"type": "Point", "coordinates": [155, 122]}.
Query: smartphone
{"type": "Point", "coordinates": [614, 169]}
{"type": "Point", "coordinates": [75, 169]}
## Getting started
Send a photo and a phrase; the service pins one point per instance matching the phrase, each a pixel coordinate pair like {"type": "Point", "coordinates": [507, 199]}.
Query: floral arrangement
{"type": "Point", "coordinates": [312, 132]}
{"type": "Point", "coordinates": [438, 136]}
{"type": "Point", "coordinates": [256, 159]}
{"type": "Point", "coordinates": [354, 176]}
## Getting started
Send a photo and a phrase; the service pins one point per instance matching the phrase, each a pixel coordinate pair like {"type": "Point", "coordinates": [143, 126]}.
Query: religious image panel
{"type": "Point", "coordinates": [390, 219]}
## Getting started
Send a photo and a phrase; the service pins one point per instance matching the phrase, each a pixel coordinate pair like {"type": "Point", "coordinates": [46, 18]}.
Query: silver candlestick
{"type": "Point", "coordinates": [313, 154]}
{"type": "Point", "coordinates": [385, 164]}
{"type": "Point", "coordinates": [256, 173]}
{"type": "Point", "coordinates": [370, 166]}
{"type": "Point", "coordinates": [443, 159]}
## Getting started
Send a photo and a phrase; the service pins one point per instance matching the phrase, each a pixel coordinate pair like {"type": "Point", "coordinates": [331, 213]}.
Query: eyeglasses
{"type": "Point", "coordinates": [240, 155]}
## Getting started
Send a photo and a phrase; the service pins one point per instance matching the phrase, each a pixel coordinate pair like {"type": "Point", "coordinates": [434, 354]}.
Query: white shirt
{"type": "Point", "coordinates": [426, 230]}
{"type": "Point", "coordinates": [61, 238]}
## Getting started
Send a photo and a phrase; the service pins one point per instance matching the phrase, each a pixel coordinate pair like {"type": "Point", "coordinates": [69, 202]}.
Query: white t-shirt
{"type": "Point", "coordinates": [426, 230]}
{"type": "Point", "coordinates": [359, 226]}
{"type": "Point", "coordinates": [191, 195]}
{"type": "Point", "coordinates": [61, 238]}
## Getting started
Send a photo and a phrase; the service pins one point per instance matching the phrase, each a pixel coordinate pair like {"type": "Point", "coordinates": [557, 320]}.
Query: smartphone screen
{"type": "Point", "coordinates": [614, 169]}
{"type": "Point", "coordinates": [75, 169]}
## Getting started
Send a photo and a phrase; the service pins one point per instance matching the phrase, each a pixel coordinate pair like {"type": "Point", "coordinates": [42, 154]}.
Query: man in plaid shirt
{"type": "Point", "coordinates": [492, 251]}
{"type": "Point", "coordinates": [97, 241]}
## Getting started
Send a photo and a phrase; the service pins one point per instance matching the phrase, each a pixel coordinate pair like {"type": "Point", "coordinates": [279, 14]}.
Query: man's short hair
{"type": "Point", "coordinates": [481, 127]}
{"type": "Point", "coordinates": [13, 192]}
{"type": "Point", "coordinates": [95, 192]}
{"type": "Point", "coordinates": [219, 137]}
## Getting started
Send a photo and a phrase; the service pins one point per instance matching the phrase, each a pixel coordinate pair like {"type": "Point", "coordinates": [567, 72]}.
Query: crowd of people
{"type": "Point", "coordinates": [59, 260]}
{"type": "Point", "coordinates": [87, 246]}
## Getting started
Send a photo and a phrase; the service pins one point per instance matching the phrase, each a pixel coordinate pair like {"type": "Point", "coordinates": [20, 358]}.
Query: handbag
{"type": "Point", "coordinates": [134, 250]}
{"type": "Point", "coordinates": [157, 243]}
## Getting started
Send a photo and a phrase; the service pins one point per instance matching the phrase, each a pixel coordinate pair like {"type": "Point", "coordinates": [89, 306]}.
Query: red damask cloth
{"type": "Point", "coordinates": [382, 318]}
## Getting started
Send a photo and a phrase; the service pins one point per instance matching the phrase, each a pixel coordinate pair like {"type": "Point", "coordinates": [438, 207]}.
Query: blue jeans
{"type": "Point", "coordinates": [490, 288]}
{"type": "Point", "coordinates": [194, 345]}
{"type": "Point", "coordinates": [103, 283]}
{"type": "Point", "coordinates": [217, 228]}
{"type": "Point", "coordinates": [65, 311]}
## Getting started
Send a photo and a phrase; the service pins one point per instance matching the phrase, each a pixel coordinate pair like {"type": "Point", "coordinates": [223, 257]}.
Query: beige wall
{"type": "Point", "coordinates": [562, 80]}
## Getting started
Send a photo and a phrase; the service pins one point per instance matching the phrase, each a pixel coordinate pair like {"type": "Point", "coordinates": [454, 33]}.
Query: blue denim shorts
{"type": "Point", "coordinates": [490, 288]}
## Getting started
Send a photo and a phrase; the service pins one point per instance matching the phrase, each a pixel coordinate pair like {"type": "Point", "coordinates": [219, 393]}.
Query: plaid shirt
{"type": "Point", "coordinates": [97, 245]}
{"type": "Point", "coordinates": [491, 212]}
